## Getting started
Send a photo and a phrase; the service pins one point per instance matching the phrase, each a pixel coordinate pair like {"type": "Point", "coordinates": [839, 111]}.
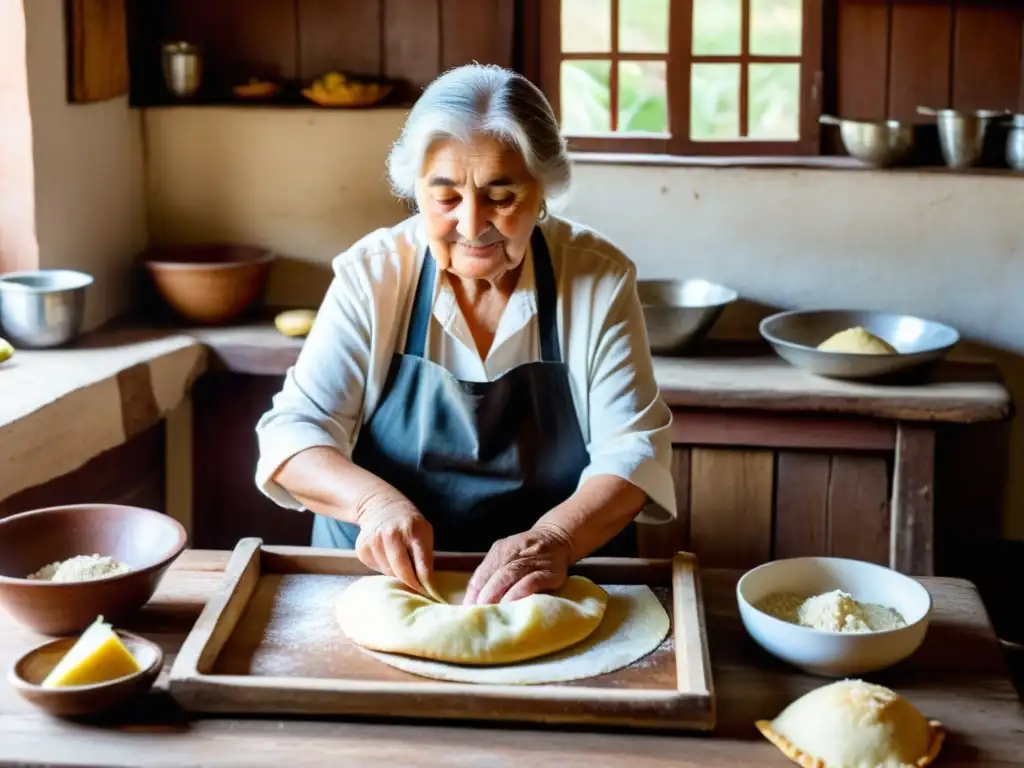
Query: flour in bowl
{"type": "Point", "coordinates": [80, 568]}
{"type": "Point", "coordinates": [834, 611]}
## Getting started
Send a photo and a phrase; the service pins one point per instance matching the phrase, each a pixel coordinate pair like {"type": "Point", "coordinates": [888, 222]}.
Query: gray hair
{"type": "Point", "coordinates": [483, 99]}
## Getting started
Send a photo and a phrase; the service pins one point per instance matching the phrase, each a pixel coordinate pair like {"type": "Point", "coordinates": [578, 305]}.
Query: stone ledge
{"type": "Point", "coordinates": [61, 408]}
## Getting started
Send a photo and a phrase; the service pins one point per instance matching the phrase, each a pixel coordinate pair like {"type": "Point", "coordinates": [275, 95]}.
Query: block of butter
{"type": "Point", "coordinates": [98, 656]}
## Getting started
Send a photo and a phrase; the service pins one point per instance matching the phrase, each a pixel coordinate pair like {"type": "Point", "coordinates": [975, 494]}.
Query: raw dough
{"type": "Point", "coordinates": [854, 724]}
{"type": "Point", "coordinates": [859, 341]}
{"type": "Point", "coordinates": [381, 613]}
{"type": "Point", "coordinates": [635, 624]}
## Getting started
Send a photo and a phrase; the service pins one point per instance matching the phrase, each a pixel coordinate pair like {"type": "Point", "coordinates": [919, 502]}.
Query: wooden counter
{"type": "Point", "coordinates": [958, 676]}
{"type": "Point", "coordinates": [724, 375]}
{"type": "Point", "coordinates": [768, 461]}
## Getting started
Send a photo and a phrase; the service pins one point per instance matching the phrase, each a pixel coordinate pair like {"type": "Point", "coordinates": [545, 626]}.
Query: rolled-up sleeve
{"type": "Point", "coordinates": [321, 400]}
{"type": "Point", "coordinates": [629, 420]}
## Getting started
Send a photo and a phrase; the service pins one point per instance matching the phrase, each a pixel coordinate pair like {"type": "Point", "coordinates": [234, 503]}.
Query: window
{"type": "Point", "coordinates": [685, 77]}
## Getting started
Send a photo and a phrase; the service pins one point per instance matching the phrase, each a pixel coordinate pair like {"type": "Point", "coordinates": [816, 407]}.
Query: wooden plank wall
{"type": "Point", "coordinates": [740, 507]}
{"type": "Point", "coordinates": [407, 40]}
{"type": "Point", "coordinates": [892, 56]}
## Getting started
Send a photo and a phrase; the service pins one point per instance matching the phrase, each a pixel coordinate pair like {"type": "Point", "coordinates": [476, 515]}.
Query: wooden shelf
{"type": "Point", "coordinates": [284, 100]}
{"type": "Point", "coordinates": [406, 43]}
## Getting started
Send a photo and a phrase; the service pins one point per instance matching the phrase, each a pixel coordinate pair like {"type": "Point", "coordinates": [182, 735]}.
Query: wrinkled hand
{"type": "Point", "coordinates": [396, 540]}
{"type": "Point", "coordinates": [520, 565]}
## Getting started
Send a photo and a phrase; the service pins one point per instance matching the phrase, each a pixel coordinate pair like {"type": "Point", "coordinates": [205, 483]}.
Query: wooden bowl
{"type": "Point", "coordinates": [209, 284]}
{"type": "Point", "coordinates": [148, 541]}
{"type": "Point", "coordinates": [29, 671]}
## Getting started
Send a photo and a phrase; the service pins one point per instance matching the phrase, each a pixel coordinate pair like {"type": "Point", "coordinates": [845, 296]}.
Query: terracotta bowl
{"type": "Point", "coordinates": [28, 672]}
{"type": "Point", "coordinates": [209, 284]}
{"type": "Point", "coordinates": [147, 541]}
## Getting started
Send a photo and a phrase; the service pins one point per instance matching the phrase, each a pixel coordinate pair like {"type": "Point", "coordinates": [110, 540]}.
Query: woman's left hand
{"type": "Point", "coordinates": [520, 565]}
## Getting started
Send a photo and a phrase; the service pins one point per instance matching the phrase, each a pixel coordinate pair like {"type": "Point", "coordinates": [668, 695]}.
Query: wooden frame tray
{"type": "Point", "coordinates": [267, 642]}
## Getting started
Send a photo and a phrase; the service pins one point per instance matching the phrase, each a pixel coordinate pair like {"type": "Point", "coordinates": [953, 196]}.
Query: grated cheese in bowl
{"type": "Point", "coordinates": [80, 568]}
{"type": "Point", "coordinates": [833, 611]}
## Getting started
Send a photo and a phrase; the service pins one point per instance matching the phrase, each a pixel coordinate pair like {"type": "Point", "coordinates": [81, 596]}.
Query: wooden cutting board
{"type": "Point", "coordinates": [267, 642]}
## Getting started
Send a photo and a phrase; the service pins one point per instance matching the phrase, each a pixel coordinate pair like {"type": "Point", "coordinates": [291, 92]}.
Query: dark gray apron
{"type": "Point", "coordinates": [480, 460]}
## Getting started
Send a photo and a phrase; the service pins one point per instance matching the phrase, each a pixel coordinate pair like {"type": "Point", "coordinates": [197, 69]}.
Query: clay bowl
{"type": "Point", "coordinates": [29, 671]}
{"type": "Point", "coordinates": [147, 541]}
{"type": "Point", "coordinates": [209, 284]}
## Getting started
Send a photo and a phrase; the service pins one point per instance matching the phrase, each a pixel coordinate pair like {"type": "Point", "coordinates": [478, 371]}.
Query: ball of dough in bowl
{"type": "Point", "coordinates": [382, 614]}
{"type": "Point", "coordinates": [858, 341]}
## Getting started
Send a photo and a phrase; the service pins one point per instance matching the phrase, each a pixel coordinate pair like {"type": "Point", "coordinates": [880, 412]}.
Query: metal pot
{"type": "Point", "coordinates": [1015, 144]}
{"type": "Point", "coordinates": [42, 308]}
{"type": "Point", "coordinates": [183, 68]}
{"type": "Point", "coordinates": [962, 133]}
{"type": "Point", "coordinates": [880, 143]}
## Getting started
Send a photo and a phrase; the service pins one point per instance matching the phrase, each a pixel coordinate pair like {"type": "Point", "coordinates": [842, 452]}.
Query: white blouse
{"type": "Point", "coordinates": [336, 383]}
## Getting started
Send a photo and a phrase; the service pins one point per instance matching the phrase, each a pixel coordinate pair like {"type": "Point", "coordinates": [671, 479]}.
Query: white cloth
{"type": "Point", "coordinates": [337, 381]}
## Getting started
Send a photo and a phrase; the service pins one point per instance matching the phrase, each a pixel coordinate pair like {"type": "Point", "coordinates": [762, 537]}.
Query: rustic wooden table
{"type": "Point", "coordinates": [958, 676]}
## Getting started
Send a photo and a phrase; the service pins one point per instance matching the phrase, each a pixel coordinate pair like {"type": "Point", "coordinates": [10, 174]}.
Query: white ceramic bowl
{"type": "Point", "coordinates": [834, 654]}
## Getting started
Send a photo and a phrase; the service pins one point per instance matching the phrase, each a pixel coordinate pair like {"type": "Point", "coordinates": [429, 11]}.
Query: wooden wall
{"type": "Point", "coordinates": [892, 57]}
{"type": "Point", "coordinates": [742, 507]}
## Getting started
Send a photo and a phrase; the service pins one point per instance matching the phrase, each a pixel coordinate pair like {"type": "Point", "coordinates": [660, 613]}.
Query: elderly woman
{"type": "Point", "coordinates": [478, 377]}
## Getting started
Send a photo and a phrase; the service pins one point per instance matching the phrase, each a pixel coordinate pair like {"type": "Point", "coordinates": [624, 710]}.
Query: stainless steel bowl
{"type": "Point", "coordinates": [962, 134]}
{"type": "Point", "coordinates": [42, 308]}
{"type": "Point", "coordinates": [880, 143]}
{"type": "Point", "coordinates": [795, 336]}
{"type": "Point", "coordinates": [1015, 144]}
{"type": "Point", "coordinates": [678, 313]}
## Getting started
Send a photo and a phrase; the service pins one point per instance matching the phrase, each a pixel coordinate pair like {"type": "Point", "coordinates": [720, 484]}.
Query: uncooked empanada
{"type": "Point", "coordinates": [382, 614]}
{"type": "Point", "coordinates": [854, 724]}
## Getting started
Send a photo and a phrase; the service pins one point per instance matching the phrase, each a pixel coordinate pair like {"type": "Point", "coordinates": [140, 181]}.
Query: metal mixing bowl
{"type": "Point", "coordinates": [880, 143]}
{"type": "Point", "coordinates": [795, 336]}
{"type": "Point", "coordinates": [678, 313]}
{"type": "Point", "coordinates": [962, 133]}
{"type": "Point", "coordinates": [42, 308]}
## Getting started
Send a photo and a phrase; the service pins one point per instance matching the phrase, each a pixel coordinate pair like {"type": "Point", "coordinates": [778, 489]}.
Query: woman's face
{"type": "Point", "coordinates": [480, 205]}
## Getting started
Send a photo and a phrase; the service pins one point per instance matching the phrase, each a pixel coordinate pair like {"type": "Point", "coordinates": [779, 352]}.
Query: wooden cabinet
{"type": "Point", "coordinates": [757, 486]}
{"type": "Point", "coordinates": [226, 503]}
{"type": "Point", "coordinates": [750, 485]}
{"type": "Point", "coordinates": [407, 42]}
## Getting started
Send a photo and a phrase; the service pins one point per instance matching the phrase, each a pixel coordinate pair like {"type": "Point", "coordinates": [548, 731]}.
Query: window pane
{"type": "Point", "coordinates": [776, 27]}
{"type": "Point", "coordinates": [715, 102]}
{"type": "Point", "coordinates": [774, 101]}
{"type": "Point", "coordinates": [585, 102]}
{"type": "Point", "coordinates": [643, 26]}
{"type": "Point", "coordinates": [642, 97]}
{"type": "Point", "coordinates": [716, 27]}
{"type": "Point", "coordinates": [586, 26]}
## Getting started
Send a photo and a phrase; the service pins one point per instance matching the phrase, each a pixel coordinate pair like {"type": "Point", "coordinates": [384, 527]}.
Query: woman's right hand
{"type": "Point", "coordinates": [396, 540]}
